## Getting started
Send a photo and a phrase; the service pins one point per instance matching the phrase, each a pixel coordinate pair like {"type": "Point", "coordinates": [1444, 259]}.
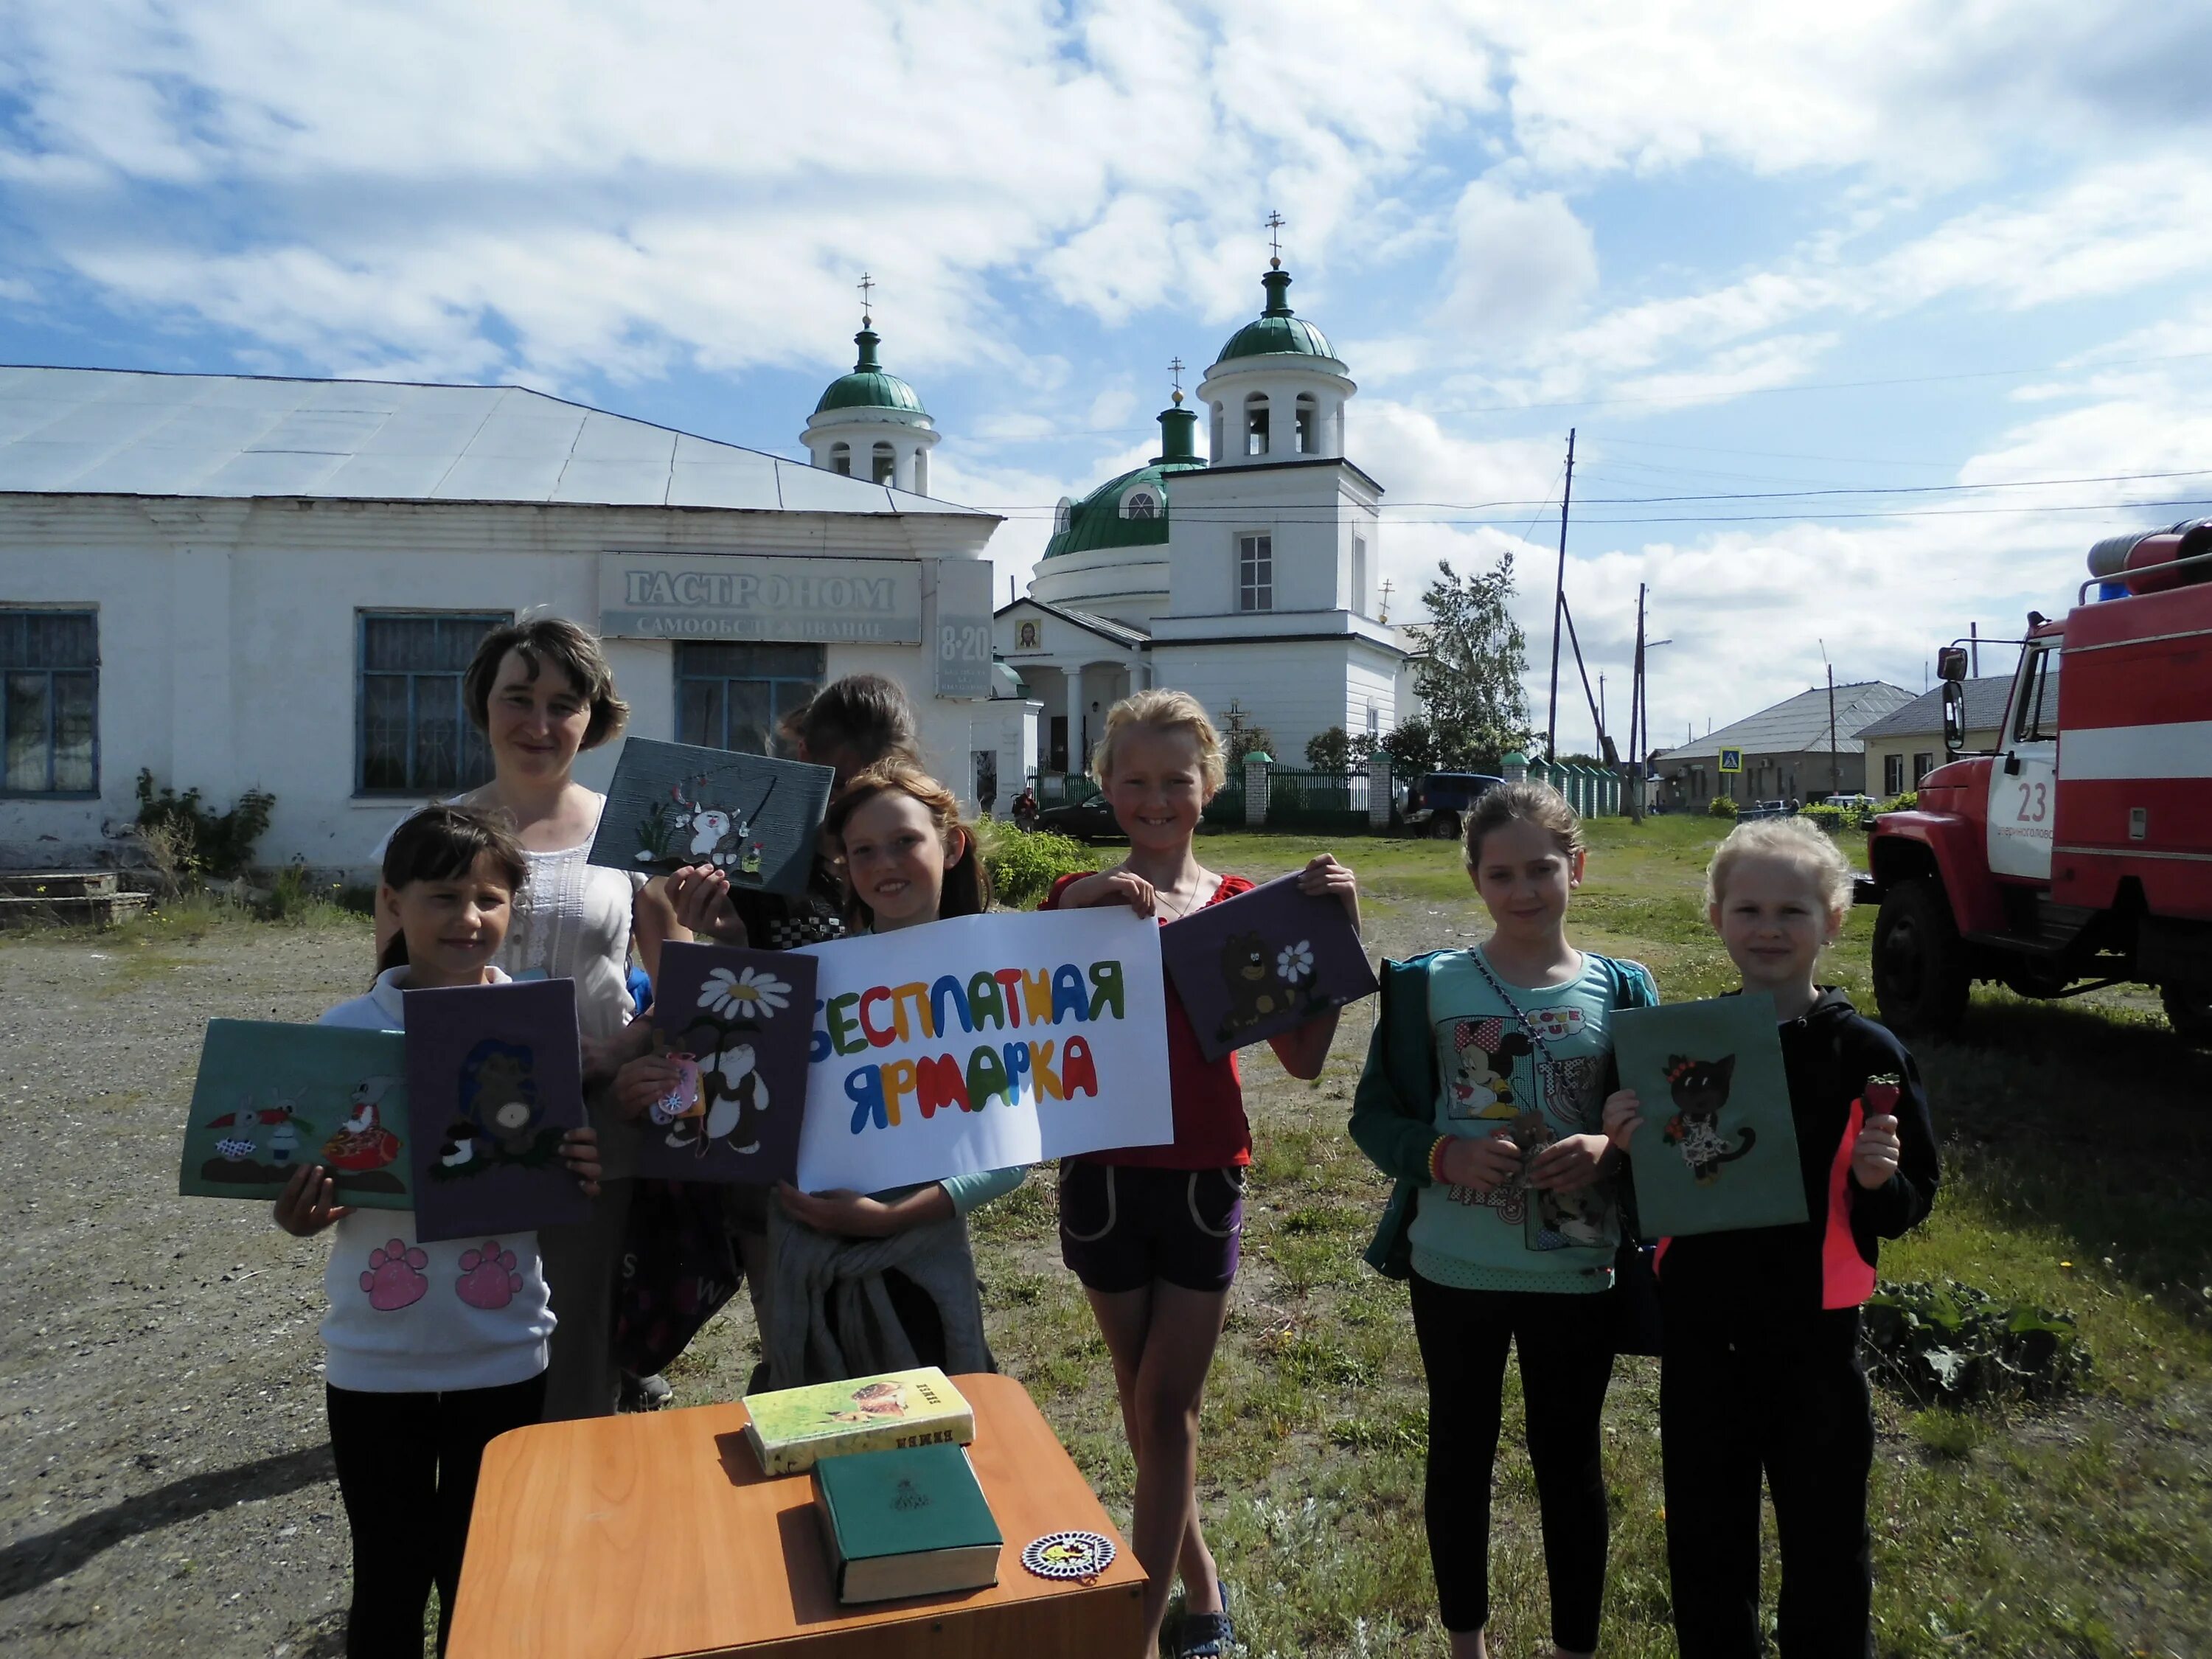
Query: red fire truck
{"type": "Point", "coordinates": [2079, 852]}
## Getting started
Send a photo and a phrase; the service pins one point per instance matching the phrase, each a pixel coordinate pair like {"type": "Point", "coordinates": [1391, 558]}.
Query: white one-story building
{"type": "Point", "coordinates": [229, 583]}
{"type": "Point", "coordinates": [1248, 580]}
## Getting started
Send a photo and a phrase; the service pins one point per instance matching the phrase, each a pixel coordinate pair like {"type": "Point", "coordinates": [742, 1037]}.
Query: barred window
{"type": "Point", "coordinates": [50, 702]}
{"type": "Point", "coordinates": [733, 696]}
{"type": "Point", "coordinates": [415, 737]}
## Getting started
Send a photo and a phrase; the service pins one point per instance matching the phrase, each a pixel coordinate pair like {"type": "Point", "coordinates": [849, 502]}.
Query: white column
{"type": "Point", "coordinates": [921, 469]}
{"type": "Point", "coordinates": [1076, 757]}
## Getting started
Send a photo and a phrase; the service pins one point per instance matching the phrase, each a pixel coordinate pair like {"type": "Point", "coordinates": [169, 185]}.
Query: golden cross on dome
{"type": "Point", "coordinates": [867, 287]}
{"type": "Point", "coordinates": [1275, 222]}
{"type": "Point", "coordinates": [1175, 368]}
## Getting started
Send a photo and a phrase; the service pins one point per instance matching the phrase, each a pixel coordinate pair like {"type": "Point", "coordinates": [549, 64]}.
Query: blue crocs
{"type": "Point", "coordinates": [1206, 1635]}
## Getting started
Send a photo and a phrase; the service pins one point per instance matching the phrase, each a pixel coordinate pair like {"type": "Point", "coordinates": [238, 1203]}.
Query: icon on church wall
{"type": "Point", "coordinates": [752, 818]}
{"type": "Point", "coordinates": [1140, 501]}
{"type": "Point", "coordinates": [1025, 637]}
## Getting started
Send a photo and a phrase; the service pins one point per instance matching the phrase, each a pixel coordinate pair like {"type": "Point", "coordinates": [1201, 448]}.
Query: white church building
{"type": "Point", "coordinates": [1247, 579]}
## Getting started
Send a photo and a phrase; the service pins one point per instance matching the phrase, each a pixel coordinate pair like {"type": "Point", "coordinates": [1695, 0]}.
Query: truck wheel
{"type": "Point", "coordinates": [1444, 826]}
{"type": "Point", "coordinates": [1920, 979]}
{"type": "Point", "coordinates": [2189, 1011]}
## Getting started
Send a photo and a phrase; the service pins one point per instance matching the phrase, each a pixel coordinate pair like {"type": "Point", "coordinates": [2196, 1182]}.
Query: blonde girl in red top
{"type": "Point", "coordinates": [1152, 1232]}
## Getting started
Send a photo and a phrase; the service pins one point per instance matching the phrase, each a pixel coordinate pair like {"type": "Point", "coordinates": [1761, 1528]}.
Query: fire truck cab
{"type": "Point", "coordinates": [2079, 852]}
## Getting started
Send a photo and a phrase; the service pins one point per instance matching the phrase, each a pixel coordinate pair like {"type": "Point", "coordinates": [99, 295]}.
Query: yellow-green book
{"type": "Point", "coordinates": [792, 1427]}
{"type": "Point", "coordinates": [911, 1522]}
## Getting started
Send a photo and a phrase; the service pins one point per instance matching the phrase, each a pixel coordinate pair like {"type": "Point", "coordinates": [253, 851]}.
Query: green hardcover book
{"type": "Point", "coordinates": [908, 1523]}
{"type": "Point", "coordinates": [792, 1427]}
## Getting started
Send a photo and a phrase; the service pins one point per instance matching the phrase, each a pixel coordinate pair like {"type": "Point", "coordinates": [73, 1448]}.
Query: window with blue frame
{"type": "Point", "coordinates": [415, 737]}
{"type": "Point", "coordinates": [50, 701]}
{"type": "Point", "coordinates": [733, 696]}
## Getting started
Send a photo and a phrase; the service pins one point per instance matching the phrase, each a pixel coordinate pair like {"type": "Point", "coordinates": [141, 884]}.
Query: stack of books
{"type": "Point", "coordinates": [901, 1510]}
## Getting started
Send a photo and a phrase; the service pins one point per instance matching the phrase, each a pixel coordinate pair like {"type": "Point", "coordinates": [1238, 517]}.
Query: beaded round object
{"type": "Point", "coordinates": [1069, 1555]}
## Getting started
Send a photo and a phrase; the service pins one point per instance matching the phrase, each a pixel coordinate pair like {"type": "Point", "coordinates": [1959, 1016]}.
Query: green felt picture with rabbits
{"type": "Point", "coordinates": [271, 1098]}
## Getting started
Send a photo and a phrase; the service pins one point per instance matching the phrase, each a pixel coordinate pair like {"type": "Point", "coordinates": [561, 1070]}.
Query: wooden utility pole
{"type": "Point", "coordinates": [1558, 605]}
{"type": "Point", "coordinates": [1835, 765]}
{"type": "Point", "coordinates": [1637, 714]}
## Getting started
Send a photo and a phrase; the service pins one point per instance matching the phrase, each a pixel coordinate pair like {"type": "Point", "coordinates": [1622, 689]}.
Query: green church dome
{"type": "Point", "coordinates": [868, 387]}
{"type": "Point", "coordinates": [1276, 329]}
{"type": "Point", "coordinates": [1132, 510]}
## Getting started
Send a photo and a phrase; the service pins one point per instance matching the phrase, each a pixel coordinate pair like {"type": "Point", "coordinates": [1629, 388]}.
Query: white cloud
{"type": "Point", "coordinates": [1523, 263]}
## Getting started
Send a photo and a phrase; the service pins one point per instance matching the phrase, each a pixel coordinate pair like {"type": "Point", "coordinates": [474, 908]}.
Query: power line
{"type": "Point", "coordinates": [1747, 518]}
{"type": "Point", "coordinates": [1514, 503]}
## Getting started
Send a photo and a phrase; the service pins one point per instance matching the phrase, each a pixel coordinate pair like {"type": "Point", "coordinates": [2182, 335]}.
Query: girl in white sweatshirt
{"type": "Point", "coordinates": [433, 1348]}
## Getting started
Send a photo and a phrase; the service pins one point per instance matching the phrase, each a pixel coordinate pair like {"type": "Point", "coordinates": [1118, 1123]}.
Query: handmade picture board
{"type": "Point", "coordinates": [752, 818]}
{"type": "Point", "coordinates": [1717, 1150]}
{"type": "Point", "coordinates": [983, 1042]}
{"type": "Point", "coordinates": [738, 1024]}
{"type": "Point", "coordinates": [1254, 966]}
{"type": "Point", "coordinates": [495, 1078]}
{"type": "Point", "coordinates": [272, 1098]}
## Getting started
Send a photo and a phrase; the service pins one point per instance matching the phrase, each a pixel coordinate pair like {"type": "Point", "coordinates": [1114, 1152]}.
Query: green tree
{"type": "Point", "coordinates": [1411, 747]}
{"type": "Point", "coordinates": [1252, 740]}
{"type": "Point", "coordinates": [1329, 750]}
{"type": "Point", "coordinates": [1471, 682]}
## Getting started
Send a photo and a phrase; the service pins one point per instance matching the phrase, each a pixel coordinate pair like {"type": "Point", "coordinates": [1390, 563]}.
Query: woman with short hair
{"type": "Point", "coordinates": [541, 691]}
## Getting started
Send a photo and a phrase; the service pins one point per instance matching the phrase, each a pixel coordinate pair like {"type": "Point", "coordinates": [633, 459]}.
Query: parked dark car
{"type": "Point", "coordinates": [1437, 804]}
{"type": "Point", "coordinates": [1089, 819]}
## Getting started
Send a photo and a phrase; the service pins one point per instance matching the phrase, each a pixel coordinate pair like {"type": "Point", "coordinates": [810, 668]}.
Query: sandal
{"type": "Point", "coordinates": [1206, 1635]}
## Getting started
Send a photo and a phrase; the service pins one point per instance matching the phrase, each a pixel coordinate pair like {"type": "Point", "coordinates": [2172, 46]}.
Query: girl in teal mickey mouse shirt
{"type": "Point", "coordinates": [1484, 1094]}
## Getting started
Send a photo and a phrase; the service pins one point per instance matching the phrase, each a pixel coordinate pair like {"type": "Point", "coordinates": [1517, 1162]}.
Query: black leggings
{"type": "Point", "coordinates": [407, 1472]}
{"type": "Point", "coordinates": [1566, 1361]}
{"type": "Point", "coordinates": [1785, 1396]}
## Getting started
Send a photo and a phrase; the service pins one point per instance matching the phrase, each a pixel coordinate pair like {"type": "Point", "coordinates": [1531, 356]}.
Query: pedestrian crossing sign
{"type": "Point", "coordinates": [1731, 760]}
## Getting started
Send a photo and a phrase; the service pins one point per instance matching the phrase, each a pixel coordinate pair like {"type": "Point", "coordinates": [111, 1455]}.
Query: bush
{"type": "Point", "coordinates": [1024, 866]}
{"type": "Point", "coordinates": [1720, 806]}
{"type": "Point", "coordinates": [1950, 1343]}
{"type": "Point", "coordinates": [187, 844]}
{"type": "Point", "coordinates": [1832, 819]}
{"type": "Point", "coordinates": [1905, 801]}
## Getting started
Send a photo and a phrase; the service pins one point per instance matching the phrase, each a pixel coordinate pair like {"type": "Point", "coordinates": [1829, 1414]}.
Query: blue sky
{"type": "Point", "coordinates": [1966, 248]}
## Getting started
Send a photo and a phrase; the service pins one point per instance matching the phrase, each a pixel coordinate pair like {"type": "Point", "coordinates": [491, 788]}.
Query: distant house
{"type": "Point", "coordinates": [1902, 748]}
{"type": "Point", "coordinates": [1785, 750]}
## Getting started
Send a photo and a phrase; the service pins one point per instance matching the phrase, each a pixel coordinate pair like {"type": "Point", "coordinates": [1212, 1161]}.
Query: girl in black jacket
{"type": "Point", "coordinates": [1761, 1371]}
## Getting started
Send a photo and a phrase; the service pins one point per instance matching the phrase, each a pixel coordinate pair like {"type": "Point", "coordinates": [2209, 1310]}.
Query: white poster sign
{"type": "Point", "coordinates": [982, 1042]}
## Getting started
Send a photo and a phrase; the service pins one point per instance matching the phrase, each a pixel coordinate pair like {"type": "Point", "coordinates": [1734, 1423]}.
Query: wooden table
{"type": "Point", "coordinates": [656, 1535]}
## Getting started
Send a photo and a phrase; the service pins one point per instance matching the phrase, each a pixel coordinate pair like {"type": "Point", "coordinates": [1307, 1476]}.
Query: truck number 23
{"type": "Point", "coordinates": [2034, 802]}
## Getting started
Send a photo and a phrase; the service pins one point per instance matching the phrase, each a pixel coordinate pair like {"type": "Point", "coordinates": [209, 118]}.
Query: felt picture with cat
{"type": "Point", "coordinates": [1718, 1148]}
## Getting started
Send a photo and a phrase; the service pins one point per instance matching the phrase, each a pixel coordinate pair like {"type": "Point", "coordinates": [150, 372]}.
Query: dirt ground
{"type": "Point", "coordinates": [165, 1476]}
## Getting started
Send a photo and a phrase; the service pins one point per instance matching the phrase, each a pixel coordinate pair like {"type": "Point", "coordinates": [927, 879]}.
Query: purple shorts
{"type": "Point", "coordinates": [1121, 1226]}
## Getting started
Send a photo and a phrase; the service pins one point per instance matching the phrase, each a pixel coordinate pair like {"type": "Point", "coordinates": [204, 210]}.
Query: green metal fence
{"type": "Point", "coordinates": [1333, 802]}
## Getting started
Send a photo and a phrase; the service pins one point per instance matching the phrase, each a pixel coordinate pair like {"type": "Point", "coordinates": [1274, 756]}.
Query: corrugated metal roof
{"type": "Point", "coordinates": [1800, 723]}
{"type": "Point", "coordinates": [1923, 715]}
{"type": "Point", "coordinates": [110, 432]}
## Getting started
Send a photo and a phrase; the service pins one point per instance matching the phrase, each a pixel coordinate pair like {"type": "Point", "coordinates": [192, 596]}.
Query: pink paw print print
{"type": "Point", "coordinates": [394, 1278]}
{"type": "Point", "coordinates": [488, 1277]}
